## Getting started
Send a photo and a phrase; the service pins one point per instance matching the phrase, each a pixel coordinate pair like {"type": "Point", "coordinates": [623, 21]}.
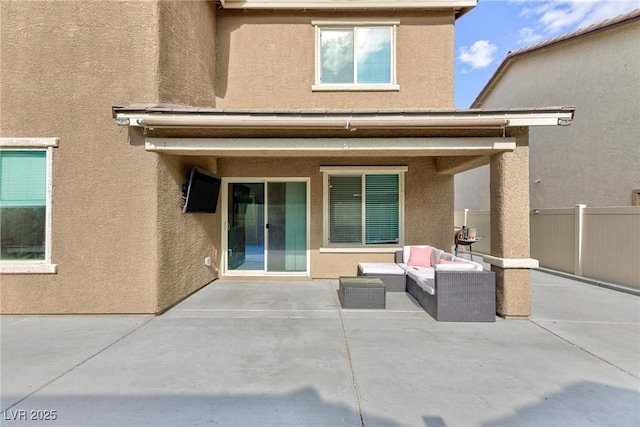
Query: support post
{"type": "Point", "coordinates": [578, 220]}
{"type": "Point", "coordinates": [510, 239]}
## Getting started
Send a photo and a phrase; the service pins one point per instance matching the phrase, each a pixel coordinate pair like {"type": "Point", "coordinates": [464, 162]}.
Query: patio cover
{"type": "Point", "coordinates": [202, 131]}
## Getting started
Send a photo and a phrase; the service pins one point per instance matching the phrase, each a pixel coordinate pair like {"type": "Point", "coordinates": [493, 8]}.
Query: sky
{"type": "Point", "coordinates": [486, 34]}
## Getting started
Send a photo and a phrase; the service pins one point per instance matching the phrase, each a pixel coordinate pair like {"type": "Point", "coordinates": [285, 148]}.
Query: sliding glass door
{"type": "Point", "coordinates": [267, 227]}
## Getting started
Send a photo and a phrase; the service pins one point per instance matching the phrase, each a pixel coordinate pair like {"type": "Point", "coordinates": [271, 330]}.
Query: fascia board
{"type": "Point", "coordinates": [352, 4]}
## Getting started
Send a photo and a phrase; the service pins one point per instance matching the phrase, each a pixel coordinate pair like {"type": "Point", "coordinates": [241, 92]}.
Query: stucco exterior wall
{"type": "Point", "coordinates": [267, 60]}
{"type": "Point", "coordinates": [187, 52]}
{"type": "Point", "coordinates": [595, 160]}
{"type": "Point", "coordinates": [428, 204]}
{"type": "Point", "coordinates": [186, 77]}
{"type": "Point", "coordinates": [60, 81]}
{"type": "Point", "coordinates": [184, 240]}
{"type": "Point", "coordinates": [120, 241]}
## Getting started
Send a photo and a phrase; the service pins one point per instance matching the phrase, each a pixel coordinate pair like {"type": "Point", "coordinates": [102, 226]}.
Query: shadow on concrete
{"type": "Point", "coordinates": [303, 407]}
{"type": "Point", "coordinates": [582, 404]}
{"type": "Point", "coordinates": [433, 421]}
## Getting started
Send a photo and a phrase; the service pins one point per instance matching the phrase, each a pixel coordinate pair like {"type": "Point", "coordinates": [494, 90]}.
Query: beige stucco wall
{"type": "Point", "coordinates": [595, 160]}
{"type": "Point", "coordinates": [120, 241]}
{"type": "Point", "coordinates": [60, 81]}
{"type": "Point", "coordinates": [186, 32]}
{"type": "Point", "coordinates": [186, 77]}
{"type": "Point", "coordinates": [184, 240]}
{"type": "Point", "coordinates": [266, 60]}
{"type": "Point", "coordinates": [428, 203]}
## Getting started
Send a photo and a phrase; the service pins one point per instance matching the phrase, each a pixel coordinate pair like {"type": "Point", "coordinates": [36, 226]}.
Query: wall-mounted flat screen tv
{"type": "Point", "coordinates": [202, 191]}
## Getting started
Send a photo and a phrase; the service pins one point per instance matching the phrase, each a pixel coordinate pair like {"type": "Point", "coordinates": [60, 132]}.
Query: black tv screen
{"type": "Point", "coordinates": [202, 192]}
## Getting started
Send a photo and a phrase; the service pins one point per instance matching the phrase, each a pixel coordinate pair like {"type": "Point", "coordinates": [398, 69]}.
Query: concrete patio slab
{"type": "Point", "coordinates": [602, 322]}
{"type": "Point", "coordinates": [37, 350]}
{"type": "Point", "coordinates": [286, 354]}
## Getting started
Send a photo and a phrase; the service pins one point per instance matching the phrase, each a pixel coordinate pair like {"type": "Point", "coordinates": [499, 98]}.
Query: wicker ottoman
{"type": "Point", "coordinates": [361, 292]}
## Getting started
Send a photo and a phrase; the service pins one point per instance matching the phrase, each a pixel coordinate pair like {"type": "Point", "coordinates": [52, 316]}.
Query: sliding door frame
{"type": "Point", "coordinates": [224, 195]}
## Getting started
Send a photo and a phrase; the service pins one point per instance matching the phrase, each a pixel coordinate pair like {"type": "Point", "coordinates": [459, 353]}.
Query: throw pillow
{"type": "Point", "coordinates": [419, 257]}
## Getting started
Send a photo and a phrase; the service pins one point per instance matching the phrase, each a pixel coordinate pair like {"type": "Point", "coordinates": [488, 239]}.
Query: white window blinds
{"type": "Point", "coordinates": [22, 178]}
{"type": "Point", "coordinates": [364, 205]}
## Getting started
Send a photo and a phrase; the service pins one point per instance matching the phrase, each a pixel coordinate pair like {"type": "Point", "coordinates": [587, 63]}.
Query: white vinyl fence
{"type": "Point", "coordinates": [597, 243]}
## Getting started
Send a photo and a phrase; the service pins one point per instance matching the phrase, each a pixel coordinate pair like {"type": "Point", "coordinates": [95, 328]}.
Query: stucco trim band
{"type": "Point", "coordinates": [511, 262]}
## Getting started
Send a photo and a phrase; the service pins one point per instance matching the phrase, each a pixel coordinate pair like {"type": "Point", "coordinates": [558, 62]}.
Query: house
{"type": "Point", "coordinates": [594, 161]}
{"type": "Point", "coordinates": [330, 125]}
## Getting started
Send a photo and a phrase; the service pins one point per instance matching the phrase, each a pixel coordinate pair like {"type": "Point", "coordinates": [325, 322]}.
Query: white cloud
{"type": "Point", "coordinates": [480, 55]}
{"type": "Point", "coordinates": [556, 16]}
{"type": "Point", "coordinates": [529, 36]}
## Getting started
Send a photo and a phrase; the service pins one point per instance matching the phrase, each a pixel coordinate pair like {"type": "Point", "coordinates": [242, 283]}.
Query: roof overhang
{"type": "Point", "coordinates": [459, 6]}
{"type": "Point", "coordinates": [467, 135]}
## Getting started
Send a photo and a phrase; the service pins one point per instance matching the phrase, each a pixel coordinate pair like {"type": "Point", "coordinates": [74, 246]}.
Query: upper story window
{"type": "Point", "coordinates": [352, 56]}
{"type": "Point", "coordinates": [25, 205]}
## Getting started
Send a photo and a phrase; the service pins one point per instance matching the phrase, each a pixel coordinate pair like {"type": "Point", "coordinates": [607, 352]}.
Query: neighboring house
{"type": "Point", "coordinates": [596, 160]}
{"type": "Point", "coordinates": [331, 124]}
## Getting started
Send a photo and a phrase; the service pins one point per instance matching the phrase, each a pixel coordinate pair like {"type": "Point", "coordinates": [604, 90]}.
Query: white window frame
{"type": "Point", "coordinates": [329, 171]}
{"type": "Point", "coordinates": [44, 266]}
{"type": "Point", "coordinates": [352, 25]}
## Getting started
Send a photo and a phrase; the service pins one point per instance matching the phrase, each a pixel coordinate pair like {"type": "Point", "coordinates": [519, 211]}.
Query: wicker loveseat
{"type": "Point", "coordinates": [449, 288]}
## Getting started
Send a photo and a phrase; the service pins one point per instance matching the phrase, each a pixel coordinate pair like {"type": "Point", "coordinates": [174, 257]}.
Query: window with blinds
{"type": "Point", "coordinates": [364, 209]}
{"type": "Point", "coordinates": [382, 209]}
{"type": "Point", "coordinates": [355, 56]}
{"type": "Point", "coordinates": [23, 186]}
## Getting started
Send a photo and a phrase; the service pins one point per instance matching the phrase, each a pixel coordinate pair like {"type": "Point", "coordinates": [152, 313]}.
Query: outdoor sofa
{"type": "Point", "coordinates": [448, 287]}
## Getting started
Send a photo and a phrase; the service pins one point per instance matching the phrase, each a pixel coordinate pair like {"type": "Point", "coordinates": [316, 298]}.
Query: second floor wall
{"type": "Point", "coordinates": [194, 54]}
{"type": "Point", "coordinates": [272, 60]}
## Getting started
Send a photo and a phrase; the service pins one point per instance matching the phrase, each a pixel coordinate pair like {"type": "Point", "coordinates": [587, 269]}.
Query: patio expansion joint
{"type": "Point", "coordinates": [584, 349]}
{"type": "Point", "coordinates": [76, 366]}
{"type": "Point", "coordinates": [348, 352]}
